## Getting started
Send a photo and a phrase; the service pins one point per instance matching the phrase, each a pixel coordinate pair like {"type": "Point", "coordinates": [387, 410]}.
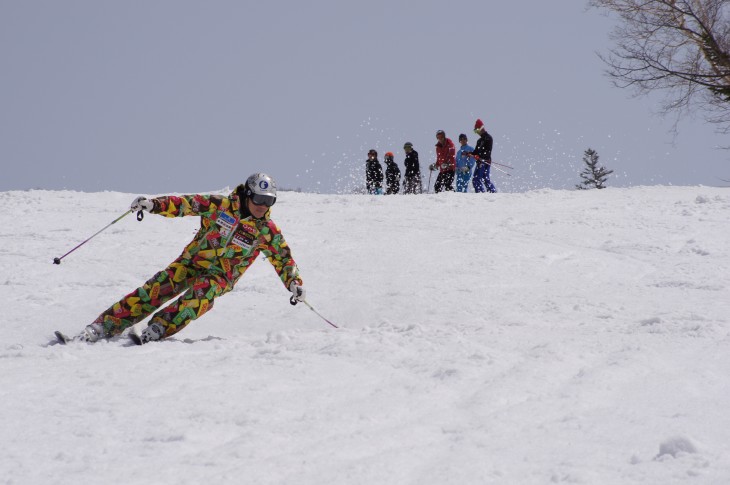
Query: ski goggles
{"type": "Point", "coordinates": [263, 199]}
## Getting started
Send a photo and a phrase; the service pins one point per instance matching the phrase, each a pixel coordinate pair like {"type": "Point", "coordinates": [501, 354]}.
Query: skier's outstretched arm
{"type": "Point", "coordinates": [181, 205]}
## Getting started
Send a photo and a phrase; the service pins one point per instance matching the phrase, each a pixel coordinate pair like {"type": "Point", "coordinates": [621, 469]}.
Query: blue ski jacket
{"type": "Point", "coordinates": [464, 161]}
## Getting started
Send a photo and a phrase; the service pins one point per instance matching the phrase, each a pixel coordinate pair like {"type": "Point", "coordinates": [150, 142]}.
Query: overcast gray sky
{"type": "Point", "coordinates": [181, 96]}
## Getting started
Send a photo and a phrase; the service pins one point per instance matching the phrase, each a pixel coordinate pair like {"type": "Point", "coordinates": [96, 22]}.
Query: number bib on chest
{"type": "Point", "coordinates": [227, 224]}
{"type": "Point", "coordinates": [235, 232]}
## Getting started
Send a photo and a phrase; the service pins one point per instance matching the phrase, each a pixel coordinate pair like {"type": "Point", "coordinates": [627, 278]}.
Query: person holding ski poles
{"type": "Point", "coordinates": [412, 183]}
{"type": "Point", "coordinates": [445, 163]}
{"type": "Point", "coordinates": [483, 155]}
{"type": "Point", "coordinates": [464, 164]}
{"type": "Point", "coordinates": [234, 229]}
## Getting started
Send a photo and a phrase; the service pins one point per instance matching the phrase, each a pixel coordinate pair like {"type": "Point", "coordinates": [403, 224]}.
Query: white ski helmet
{"type": "Point", "coordinates": [261, 189]}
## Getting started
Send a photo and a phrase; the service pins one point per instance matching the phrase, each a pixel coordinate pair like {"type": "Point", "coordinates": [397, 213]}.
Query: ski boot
{"type": "Point", "coordinates": [154, 331]}
{"type": "Point", "coordinates": [91, 333]}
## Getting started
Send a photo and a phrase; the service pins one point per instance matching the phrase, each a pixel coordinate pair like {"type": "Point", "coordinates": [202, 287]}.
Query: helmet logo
{"type": "Point", "coordinates": [263, 185]}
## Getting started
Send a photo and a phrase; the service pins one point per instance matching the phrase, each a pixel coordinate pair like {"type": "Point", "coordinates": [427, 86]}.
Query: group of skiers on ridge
{"type": "Point", "coordinates": [450, 164]}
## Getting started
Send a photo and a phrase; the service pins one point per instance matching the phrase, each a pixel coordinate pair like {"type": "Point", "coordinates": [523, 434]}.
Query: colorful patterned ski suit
{"type": "Point", "coordinates": [224, 247]}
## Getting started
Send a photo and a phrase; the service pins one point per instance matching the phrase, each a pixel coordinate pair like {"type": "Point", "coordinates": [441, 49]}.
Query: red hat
{"type": "Point", "coordinates": [479, 124]}
{"type": "Point", "coordinates": [389, 154]}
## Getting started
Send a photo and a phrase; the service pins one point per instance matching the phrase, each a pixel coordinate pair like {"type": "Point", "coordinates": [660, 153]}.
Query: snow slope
{"type": "Point", "coordinates": [542, 337]}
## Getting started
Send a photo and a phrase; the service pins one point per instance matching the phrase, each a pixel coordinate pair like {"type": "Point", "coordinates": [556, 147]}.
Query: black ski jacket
{"type": "Point", "coordinates": [373, 174]}
{"type": "Point", "coordinates": [483, 148]}
{"type": "Point", "coordinates": [412, 165]}
{"type": "Point", "coordinates": [392, 177]}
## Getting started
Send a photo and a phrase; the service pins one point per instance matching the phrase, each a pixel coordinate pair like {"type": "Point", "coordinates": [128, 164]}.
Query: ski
{"type": "Point", "coordinates": [135, 338]}
{"type": "Point", "coordinates": [62, 339]}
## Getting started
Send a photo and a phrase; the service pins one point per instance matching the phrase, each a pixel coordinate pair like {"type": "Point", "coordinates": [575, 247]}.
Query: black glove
{"type": "Point", "coordinates": [298, 293]}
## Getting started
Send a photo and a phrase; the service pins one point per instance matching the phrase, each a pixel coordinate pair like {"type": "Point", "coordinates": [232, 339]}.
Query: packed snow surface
{"type": "Point", "coordinates": [533, 338]}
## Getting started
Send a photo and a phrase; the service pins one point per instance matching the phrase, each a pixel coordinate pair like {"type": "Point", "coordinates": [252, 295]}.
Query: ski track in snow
{"type": "Point", "coordinates": [543, 337]}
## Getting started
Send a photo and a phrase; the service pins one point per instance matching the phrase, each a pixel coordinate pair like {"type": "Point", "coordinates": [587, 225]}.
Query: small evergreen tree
{"type": "Point", "coordinates": [593, 176]}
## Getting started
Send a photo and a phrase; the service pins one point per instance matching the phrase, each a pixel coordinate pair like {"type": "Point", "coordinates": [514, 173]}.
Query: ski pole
{"type": "Point", "coordinates": [504, 172]}
{"type": "Point", "coordinates": [318, 314]}
{"type": "Point", "coordinates": [293, 301]}
{"type": "Point", "coordinates": [502, 164]}
{"type": "Point", "coordinates": [140, 216]}
{"type": "Point", "coordinates": [428, 187]}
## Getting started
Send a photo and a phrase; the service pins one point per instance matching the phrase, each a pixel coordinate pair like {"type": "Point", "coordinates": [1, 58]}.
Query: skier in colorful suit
{"type": "Point", "coordinates": [234, 229]}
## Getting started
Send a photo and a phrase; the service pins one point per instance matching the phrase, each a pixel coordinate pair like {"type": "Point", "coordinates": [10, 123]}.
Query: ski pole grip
{"type": "Point", "coordinates": [140, 216]}
{"type": "Point", "coordinates": [293, 300]}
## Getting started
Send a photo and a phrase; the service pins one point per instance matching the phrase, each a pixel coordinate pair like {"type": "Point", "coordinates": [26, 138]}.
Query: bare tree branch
{"type": "Point", "coordinates": [680, 47]}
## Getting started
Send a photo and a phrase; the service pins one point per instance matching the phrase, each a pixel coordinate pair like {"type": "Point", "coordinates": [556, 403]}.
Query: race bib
{"type": "Point", "coordinates": [227, 223]}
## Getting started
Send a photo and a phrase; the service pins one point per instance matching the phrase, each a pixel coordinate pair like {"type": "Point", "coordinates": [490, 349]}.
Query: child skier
{"type": "Point", "coordinates": [373, 174]}
{"type": "Point", "coordinates": [464, 164]}
{"type": "Point", "coordinates": [392, 175]}
{"type": "Point", "coordinates": [234, 229]}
